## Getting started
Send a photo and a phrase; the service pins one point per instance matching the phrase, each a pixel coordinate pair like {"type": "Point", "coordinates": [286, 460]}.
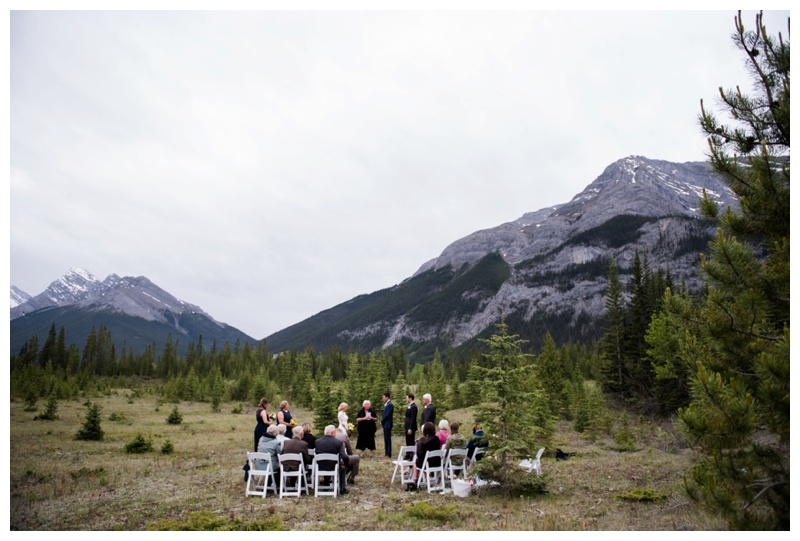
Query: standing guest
{"type": "Point", "coordinates": [410, 425]}
{"type": "Point", "coordinates": [455, 441]}
{"type": "Point", "coordinates": [367, 426]}
{"type": "Point", "coordinates": [355, 460]}
{"type": "Point", "coordinates": [342, 415]}
{"type": "Point", "coordinates": [428, 442]}
{"type": "Point", "coordinates": [308, 437]}
{"type": "Point", "coordinates": [270, 445]}
{"type": "Point", "coordinates": [262, 422]}
{"type": "Point", "coordinates": [329, 444]}
{"type": "Point", "coordinates": [387, 422]}
{"type": "Point", "coordinates": [284, 417]}
{"type": "Point", "coordinates": [428, 411]}
{"type": "Point", "coordinates": [444, 431]}
{"type": "Point", "coordinates": [296, 445]}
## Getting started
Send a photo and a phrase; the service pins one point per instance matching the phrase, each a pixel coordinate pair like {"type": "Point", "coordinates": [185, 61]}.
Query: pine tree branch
{"type": "Point", "coordinates": [761, 493]}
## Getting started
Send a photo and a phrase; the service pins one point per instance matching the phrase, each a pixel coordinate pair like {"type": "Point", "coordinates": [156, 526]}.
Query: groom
{"type": "Point", "coordinates": [387, 421]}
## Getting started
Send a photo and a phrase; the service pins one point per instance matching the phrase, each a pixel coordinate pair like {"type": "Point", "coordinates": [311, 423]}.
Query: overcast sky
{"type": "Point", "coordinates": [269, 165]}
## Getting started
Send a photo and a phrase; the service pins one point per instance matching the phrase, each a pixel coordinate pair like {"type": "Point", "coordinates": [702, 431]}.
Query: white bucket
{"type": "Point", "coordinates": [461, 488]}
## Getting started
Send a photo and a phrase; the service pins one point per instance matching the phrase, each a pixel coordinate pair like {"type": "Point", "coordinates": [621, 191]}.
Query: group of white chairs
{"type": "Point", "coordinates": [434, 477]}
{"type": "Point", "coordinates": [324, 482]}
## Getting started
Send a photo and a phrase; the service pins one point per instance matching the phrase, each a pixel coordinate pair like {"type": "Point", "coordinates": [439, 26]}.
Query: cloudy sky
{"type": "Point", "coordinates": [269, 165]}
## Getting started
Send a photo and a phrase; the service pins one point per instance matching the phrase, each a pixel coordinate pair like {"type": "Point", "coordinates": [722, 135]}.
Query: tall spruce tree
{"type": "Point", "coordinates": [612, 344]}
{"type": "Point", "coordinates": [516, 417]}
{"type": "Point", "coordinates": [736, 342]}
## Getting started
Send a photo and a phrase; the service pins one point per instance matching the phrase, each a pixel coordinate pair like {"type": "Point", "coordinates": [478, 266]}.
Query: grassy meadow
{"type": "Point", "coordinates": [59, 483]}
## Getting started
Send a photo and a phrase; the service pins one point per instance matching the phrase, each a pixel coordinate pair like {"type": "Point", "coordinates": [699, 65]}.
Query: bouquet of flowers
{"type": "Point", "coordinates": [350, 427]}
{"type": "Point", "coordinates": [293, 423]}
{"type": "Point", "coordinates": [271, 416]}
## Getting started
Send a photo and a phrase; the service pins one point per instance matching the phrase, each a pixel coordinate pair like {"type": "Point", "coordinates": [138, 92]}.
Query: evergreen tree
{"type": "Point", "coordinates": [516, 418]}
{"type": "Point", "coordinates": [736, 342]}
{"type": "Point", "coordinates": [435, 385]}
{"type": "Point", "coordinates": [217, 389]}
{"type": "Point", "coordinates": [325, 403]}
{"type": "Point", "coordinates": [91, 429]}
{"type": "Point", "coordinates": [50, 410]}
{"type": "Point", "coordinates": [550, 372]}
{"type": "Point", "coordinates": [612, 344]}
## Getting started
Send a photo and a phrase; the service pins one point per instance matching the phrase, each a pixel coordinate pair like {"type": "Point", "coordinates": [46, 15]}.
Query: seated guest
{"type": "Point", "coordinates": [282, 433]}
{"type": "Point", "coordinates": [308, 437]}
{"type": "Point", "coordinates": [427, 442]}
{"type": "Point", "coordinates": [352, 468]}
{"type": "Point", "coordinates": [329, 444]}
{"type": "Point", "coordinates": [455, 441]}
{"type": "Point", "coordinates": [444, 431]}
{"type": "Point", "coordinates": [296, 445]}
{"type": "Point", "coordinates": [270, 445]}
{"type": "Point", "coordinates": [478, 440]}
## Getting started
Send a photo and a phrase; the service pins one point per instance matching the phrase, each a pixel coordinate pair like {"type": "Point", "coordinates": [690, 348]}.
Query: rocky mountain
{"type": "Point", "coordinates": [18, 296]}
{"type": "Point", "coordinates": [136, 311]}
{"type": "Point", "coordinates": [546, 271]}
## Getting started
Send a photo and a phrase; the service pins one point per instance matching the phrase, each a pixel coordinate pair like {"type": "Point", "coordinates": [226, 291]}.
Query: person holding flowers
{"type": "Point", "coordinates": [344, 426]}
{"type": "Point", "coordinates": [262, 422]}
{"type": "Point", "coordinates": [285, 417]}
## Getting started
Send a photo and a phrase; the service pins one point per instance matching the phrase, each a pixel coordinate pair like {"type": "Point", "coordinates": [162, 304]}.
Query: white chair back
{"type": "Point", "coordinates": [298, 475]}
{"type": "Point", "coordinates": [318, 474]}
{"type": "Point", "coordinates": [430, 475]}
{"type": "Point", "coordinates": [404, 466]}
{"type": "Point", "coordinates": [259, 481]}
{"type": "Point", "coordinates": [455, 468]}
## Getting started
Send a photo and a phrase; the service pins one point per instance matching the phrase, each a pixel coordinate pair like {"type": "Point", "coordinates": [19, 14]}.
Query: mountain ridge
{"type": "Point", "coordinates": [557, 259]}
{"type": "Point", "coordinates": [137, 312]}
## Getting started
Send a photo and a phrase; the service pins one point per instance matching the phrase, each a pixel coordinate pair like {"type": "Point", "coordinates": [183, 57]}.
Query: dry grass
{"type": "Point", "coordinates": [58, 483]}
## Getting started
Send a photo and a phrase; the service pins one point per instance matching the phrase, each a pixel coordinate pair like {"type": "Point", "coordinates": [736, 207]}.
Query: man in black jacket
{"type": "Point", "coordinates": [410, 426]}
{"type": "Point", "coordinates": [329, 444]}
{"type": "Point", "coordinates": [428, 412]}
{"type": "Point", "coordinates": [387, 422]}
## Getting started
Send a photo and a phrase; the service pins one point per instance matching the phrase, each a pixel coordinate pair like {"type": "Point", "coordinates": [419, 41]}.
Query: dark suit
{"type": "Point", "coordinates": [295, 446]}
{"type": "Point", "coordinates": [428, 415]}
{"type": "Point", "coordinates": [410, 423]}
{"type": "Point", "coordinates": [387, 422]}
{"type": "Point", "coordinates": [329, 444]}
{"type": "Point", "coordinates": [355, 460]}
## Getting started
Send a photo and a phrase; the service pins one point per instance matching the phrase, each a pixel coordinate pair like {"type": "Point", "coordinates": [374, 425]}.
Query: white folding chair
{"type": "Point", "coordinates": [469, 463]}
{"type": "Point", "coordinates": [318, 473]}
{"type": "Point", "coordinates": [403, 466]}
{"type": "Point", "coordinates": [533, 464]}
{"type": "Point", "coordinates": [455, 469]}
{"type": "Point", "coordinates": [299, 475]}
{"type": "Point", "coordinates": [259, 481]}
{"type": "Point", "coordinates": [431, 475]}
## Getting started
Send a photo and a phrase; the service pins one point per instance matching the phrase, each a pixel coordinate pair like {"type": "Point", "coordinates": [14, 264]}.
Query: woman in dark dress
{"type": "Point", "coordinates": [284, 417]}
{"type": "Point", "coordinates": [262, 422]}
{"type": "Point", "coordinates": [427, 442]}
{"type": "Point", "coordinates": [367, 426]}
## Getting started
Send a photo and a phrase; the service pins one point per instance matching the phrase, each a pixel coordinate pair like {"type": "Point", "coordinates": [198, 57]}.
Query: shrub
{"type": "Point", "coordinates": [510, 479]}
{"type": "Point", "coordinates": [428, 511]}
{"type": "Point", "coordinates": [91, 431]}
{"type": "Point", "coordinates": [49, 410]}
{"type": "Point", "coordinates": [117, 417]}
{"type": "Point", "coordinates": [642, 495]}
{"type": "Point", "coordinates": [175, 418]}
{"type": "Point", "coordinates": [167, 448]}
{"type": "Point", "coordinates": [139, 444]}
